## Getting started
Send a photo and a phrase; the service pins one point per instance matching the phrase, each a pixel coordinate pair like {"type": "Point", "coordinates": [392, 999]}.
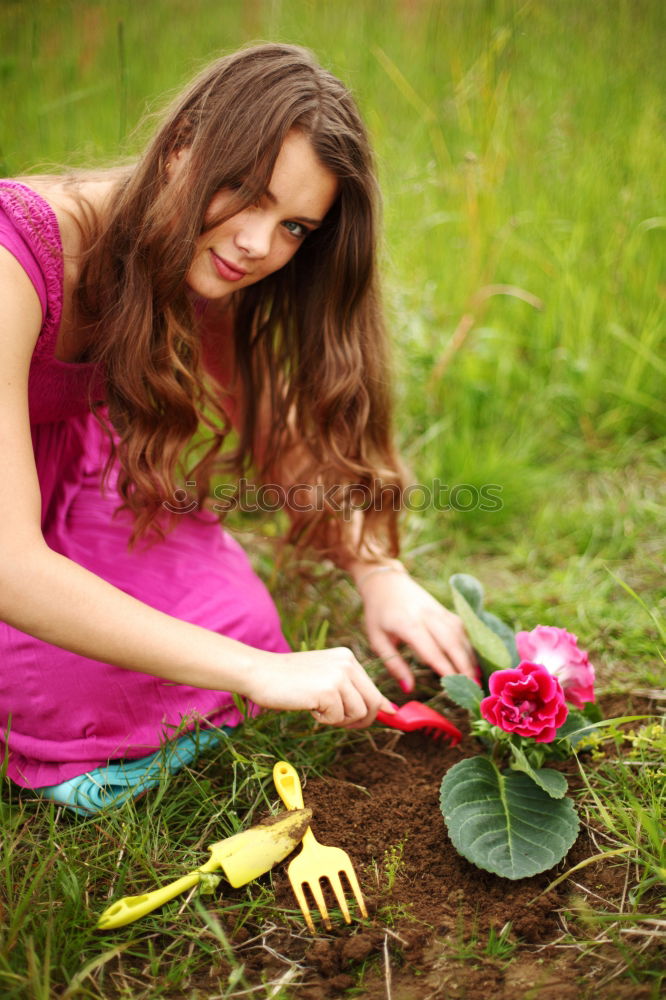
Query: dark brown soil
{"type": "Point", "coordinates": [432, 914]}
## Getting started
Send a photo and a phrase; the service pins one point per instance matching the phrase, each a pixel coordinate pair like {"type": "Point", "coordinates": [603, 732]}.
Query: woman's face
{"type": "Point", "coordinates": [262, 238]}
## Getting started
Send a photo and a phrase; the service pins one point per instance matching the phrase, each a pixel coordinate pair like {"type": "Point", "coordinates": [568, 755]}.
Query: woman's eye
{"type": "Point", "coordinates": [296, 229]}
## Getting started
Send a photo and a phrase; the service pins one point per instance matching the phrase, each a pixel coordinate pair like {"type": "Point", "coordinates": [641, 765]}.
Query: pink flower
{"type": "Point", "coordinates": [527, 700]}
{"type": "Point", "coordinates": [556, 650]}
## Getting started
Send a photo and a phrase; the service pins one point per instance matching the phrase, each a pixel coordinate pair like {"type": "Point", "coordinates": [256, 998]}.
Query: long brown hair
{"type": "Point", "coordinates": [310, 337]}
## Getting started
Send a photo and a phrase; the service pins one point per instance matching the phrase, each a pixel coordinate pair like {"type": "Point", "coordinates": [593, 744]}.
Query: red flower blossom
{"type": "Point", "coordinates": [526, 700]}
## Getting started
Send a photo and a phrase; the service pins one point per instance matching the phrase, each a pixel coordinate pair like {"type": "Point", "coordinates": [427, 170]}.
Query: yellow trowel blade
{"type": "Point", "coordinates": [249, 854]}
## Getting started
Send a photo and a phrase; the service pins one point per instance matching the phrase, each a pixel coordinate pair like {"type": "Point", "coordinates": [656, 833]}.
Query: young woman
{"type": "Point", "coordinates": [226, 282]}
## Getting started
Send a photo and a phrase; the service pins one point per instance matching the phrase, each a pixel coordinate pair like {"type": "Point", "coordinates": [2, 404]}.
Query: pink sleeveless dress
{"type": "Point", "coordinates": [62, 714]}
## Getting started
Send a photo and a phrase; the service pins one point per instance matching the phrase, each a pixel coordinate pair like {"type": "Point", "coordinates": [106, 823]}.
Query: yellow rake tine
{"type": "Point", "coordinates": [356, 889]}
{"type": "Point", "coordinates": [315, 889]}
{"type": "Point", "coordinates": [303, 903]}
{"type": "Point", "coordinates": [339, 892]}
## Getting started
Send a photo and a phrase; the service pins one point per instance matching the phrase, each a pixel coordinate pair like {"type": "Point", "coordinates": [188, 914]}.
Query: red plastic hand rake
{"type": "Point", "coordinates": [414, 715]}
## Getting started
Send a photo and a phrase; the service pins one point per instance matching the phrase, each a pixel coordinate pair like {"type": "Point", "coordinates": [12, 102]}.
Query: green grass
{"type": "Point", "coordinates": [58, 872]}
{"type": "Point", "coordinates": [627, 805]}
{"type": "Point", "coordinates": [623, 804]}
{"type": "Point", "coordinates": [520, 145]}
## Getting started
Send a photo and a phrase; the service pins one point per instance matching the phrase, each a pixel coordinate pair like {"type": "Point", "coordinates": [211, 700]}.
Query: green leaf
{"type": "Point", "coordinates": [552, 782]}
{"type": "Point", "coordinates": [592, 712]}
{"type": "Point", "coordinates": [505, 633]}
{"type": "Point", "coordinates": [504, 823]}
{"type": "Point", "coordinates": [470, 588]}
{"type": "Point", "coordinates": [480, 624]}
{"type": "Point", "coordinates": [492, 652]}
{"type": "Point", "coordinates": [575, 728]}
{"type": "Point", "coordinates": [463, 691]}
{"type": "Point", "coordinates": [574, 720]}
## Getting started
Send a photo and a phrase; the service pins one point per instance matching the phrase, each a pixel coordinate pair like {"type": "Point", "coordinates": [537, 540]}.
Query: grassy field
{"type": "Point", "coordinates": [522, 158]}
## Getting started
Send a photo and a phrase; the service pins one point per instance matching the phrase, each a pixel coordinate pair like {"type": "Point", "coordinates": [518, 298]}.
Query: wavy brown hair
{"type": "Point", "coordinates": [309, 339]}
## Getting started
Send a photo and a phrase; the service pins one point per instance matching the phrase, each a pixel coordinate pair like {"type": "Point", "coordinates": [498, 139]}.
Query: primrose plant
{"type": "Point", "coordinates": [506, 810]}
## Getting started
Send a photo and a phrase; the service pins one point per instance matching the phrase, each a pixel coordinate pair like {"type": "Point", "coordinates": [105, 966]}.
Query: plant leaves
{"type": "Point", "coordinates": [504, 823]}
{"type": "Point", "coordinates": [470, 588]}
{"type": "Point", "coordinates": [472, 591]}
{"type": "Point", "coordinates": [592, 727]}
{"type": "Point", "coordinates": [505, 633]}
{"type": "Point", "coordinates": [491, 650]}
{"type": "Point", "coordinates": [574, 720]}
{"type": "Point", "coordinates": [575, 728]}
{"type": "Point", "coordinates": [463, 691]}
{"type": "Point", "coordinates": [592, 712]}
{"type": "Point", "coordinates": [553, 782]}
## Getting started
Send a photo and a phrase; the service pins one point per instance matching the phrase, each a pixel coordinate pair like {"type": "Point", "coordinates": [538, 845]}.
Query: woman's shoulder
{"type": "Point", "coordinates": [43, 223]}
{"type": "Point", "coordinates": [29, 232]}
{"type": "Point", "coordinates": [71, 199]}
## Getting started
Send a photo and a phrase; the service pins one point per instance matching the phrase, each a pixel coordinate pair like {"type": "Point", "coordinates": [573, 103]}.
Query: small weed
{"type": "Point", "coordinates": [648, 746]}
{"type": "Point", "coordinates": [390, 914]}
{"type": "Point", "coordinates": [499, 945]}
{"type": "Point", "coordinates": [393, 862]}
{"type": "Point", "coordinates": [469, 948]}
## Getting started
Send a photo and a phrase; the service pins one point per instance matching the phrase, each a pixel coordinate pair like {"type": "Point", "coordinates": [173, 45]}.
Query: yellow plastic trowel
{"type": "Point", "coordinates": [243, 857]}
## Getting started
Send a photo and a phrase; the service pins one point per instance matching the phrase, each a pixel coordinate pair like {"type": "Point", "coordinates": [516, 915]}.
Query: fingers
{"type": "Point", "coordinates": [424, 644]}
{"type": "Point", "coordinates": [428, 649]}
{"type": "Point", "coordinates": [335, 710]}
{"type": "Point", "coordinates": [441, 643]}
{"type": "Point", "coordinates": [348, 696]}
{"type": "Point", "coordinates": [399, 610]}
{"type": "Point", "coordinates": [375, 701]}
{"type": "Point", "coordinates": [452, 637]}
{"type": "Point", "coordinates": [435, 646]}
{"type": "Point", "coordinates": [387, 651]}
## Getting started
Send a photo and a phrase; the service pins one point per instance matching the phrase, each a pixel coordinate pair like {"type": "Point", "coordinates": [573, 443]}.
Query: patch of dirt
{"type": "Point", "coordinates": [433, 916]}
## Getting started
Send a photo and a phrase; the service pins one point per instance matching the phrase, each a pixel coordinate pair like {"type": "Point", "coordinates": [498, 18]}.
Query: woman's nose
{"type": "Point", "coordinates": [253, 237]}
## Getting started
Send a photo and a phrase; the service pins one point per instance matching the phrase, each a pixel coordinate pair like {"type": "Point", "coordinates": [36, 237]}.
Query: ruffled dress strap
{"type": "Point", "coordinates": [29, 229]}
{"type": "Point", "coordinates": [37, 245]}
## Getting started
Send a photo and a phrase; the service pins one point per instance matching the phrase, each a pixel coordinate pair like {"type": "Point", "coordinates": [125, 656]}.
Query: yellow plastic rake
{"type": "Point", "coordinates": [315, 861]}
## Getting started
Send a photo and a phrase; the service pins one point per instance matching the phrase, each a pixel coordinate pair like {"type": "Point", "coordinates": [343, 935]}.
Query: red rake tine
{"type": "Point", "coordinates": [414, 715]}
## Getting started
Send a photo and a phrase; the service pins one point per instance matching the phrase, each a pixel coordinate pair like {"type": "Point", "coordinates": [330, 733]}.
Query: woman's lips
{"type": "Point", "coordinates": [227, 270]}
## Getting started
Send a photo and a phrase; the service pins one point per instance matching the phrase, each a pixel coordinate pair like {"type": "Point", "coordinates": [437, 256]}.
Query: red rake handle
{"type": "Point", "coordinates": [413, 715]}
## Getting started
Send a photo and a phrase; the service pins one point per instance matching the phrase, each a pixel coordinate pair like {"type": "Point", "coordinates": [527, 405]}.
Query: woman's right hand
{"type": "Point", "coordinates": [329, 683]}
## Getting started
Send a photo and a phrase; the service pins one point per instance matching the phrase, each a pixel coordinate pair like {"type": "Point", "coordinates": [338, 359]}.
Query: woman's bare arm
{"type": "Point", "coordinates": [52, 598]}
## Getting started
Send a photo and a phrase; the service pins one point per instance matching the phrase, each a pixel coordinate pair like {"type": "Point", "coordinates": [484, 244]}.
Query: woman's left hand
{"type": "Point", "coordinates": [398, 610]}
